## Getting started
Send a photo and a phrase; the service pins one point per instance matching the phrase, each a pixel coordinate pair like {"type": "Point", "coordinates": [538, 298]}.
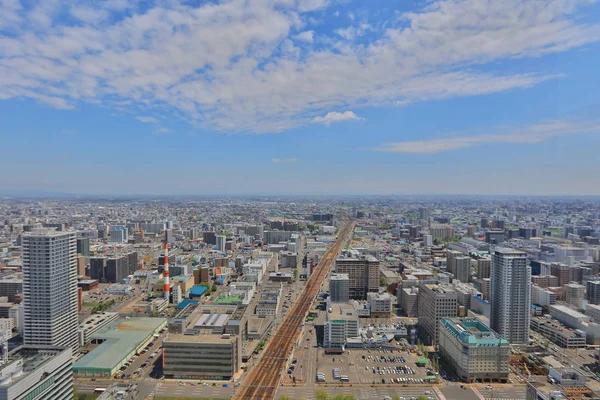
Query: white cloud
{"type": "Point", "coordinates": [148, 120]}
{"type": "Point", "coordinates": [290, 160]}
{"type": "Point", "coordinates": [312, 5]}
{"type": "Point", "coordinates": [335, 116]}
{"type": "Point", "coordinates": [532, 134]}
{"type": "Point", "coordinates": [234, 66]}
{"type": "Point", "coordinates": [306, 36]}
{"type": "Point", "coordinates": [276, 160]}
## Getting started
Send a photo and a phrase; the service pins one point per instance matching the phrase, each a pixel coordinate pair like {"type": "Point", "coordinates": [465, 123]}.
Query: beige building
{"type": "Point", "coordinates": [209, 356]}
{"type": "Point", "coordinates": [574, 294]}
{"type": "Point", "coordinates": [363, 274]}
{"type": "Point", "coordinates": [435, 302]}
{"type": "Point", "coordinates": [475, 352]}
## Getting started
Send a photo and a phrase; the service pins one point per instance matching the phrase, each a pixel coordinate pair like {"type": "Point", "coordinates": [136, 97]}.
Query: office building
{"type": "Point", "coordinates": [209, 238]}
{"type": "Point", "coordinates": [363, 274]}
{"type": "Point", "coordinates": [380, 303]}
{"type": "Point", "coordinates": [475, 352]}
{"type": "Point", "coordinates": [83, 246]}
{"type": "Point", "coordinates": [37, 374]}
{"type": "Point", "coordinates": [339, 290]}
{"type": "Point", "coordinates": [10, 287]}
{"type": "Point", "coordinates": [118, 234]}
{"type": "Point", "coordinates": [484, 267]}
{"type": "Point", "coordinates": [485, 222]}
{"type": "Point", "coordinates": [435, 302]}
{"type": "Point", "coordinates": [221, 240]}
{"type": "Point", "coordinates": [50, 289]}
{"type": "Point", "coordinates": [462, 269]}
{"type": "Point", "coordinates": [424, 214]}
{"type": "Point", "coordinates": [494, 237]}
{"type": "Point", "coordinates": [593, 292]}
{"type": "Point", "coordinates": [574, 294]}
{"type": "Point", "coordinates": [98, 268]}
{"type": "Point", "coordinates": [527, 233]}
{"type": "Point", "coordinates": [341, 323]}
{"type": "Point", "coordinates": [116, 269]}
{"type": "Point", "coordinates": [207, 356]}
{"type": "Point", "coordinates": [510, 295]}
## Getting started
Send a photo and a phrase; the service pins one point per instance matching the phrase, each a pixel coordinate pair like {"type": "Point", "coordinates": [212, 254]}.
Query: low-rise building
{"type": "Point", "coordinates": [93, 324]}
{"type": "Point", "coordinates": [381, 304]}
{"type": "Point", "coordinates": [208, 356]}
{"type": "Point", "coordinates": [558, 333]}
{"type": "Point", "coordinates": [475, 352]}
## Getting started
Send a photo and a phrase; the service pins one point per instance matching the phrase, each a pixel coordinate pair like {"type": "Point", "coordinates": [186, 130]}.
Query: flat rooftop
{"type": "Point", "coordinates": [121, 337]}
{"type": "Point", "coordinates": [473, 331]}
{"type": "Point", "coordinates": [202, 338]}
{"type": "Point", "coordinates": [31, 358]}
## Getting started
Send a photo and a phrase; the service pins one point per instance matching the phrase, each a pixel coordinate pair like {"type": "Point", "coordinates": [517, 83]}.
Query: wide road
{"type": "Point", "coordinates": [263, 379]}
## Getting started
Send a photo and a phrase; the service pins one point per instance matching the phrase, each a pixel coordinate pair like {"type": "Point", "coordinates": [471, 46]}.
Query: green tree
{"type": "Point", "coordinates": [395, 397]}
{"type": "Point", "coordinates": [382, 281]}
{"type": "Point", "coordinates": [437, 241]}
{"type": "Point", "coordinates": [322, 395]}
{"type": "Point", "coordinates": [285, 397]}
{"type": "Point", "coordinates": [421, 397]}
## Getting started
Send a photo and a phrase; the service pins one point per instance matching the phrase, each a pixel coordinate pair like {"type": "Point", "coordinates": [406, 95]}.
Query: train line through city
{"type": "Point", "coordinates": [263, 378]}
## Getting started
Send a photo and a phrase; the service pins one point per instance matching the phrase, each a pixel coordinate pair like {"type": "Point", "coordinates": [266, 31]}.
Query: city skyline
{"type": "Point", "coordinates": [313, 97]}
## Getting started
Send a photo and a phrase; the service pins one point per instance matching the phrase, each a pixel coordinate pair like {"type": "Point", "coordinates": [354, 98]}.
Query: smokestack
{"type": "Point", "coordinates": [167, 288]}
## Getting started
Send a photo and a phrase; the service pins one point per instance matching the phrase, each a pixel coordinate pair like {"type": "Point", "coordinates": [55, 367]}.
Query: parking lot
{"type": "Point", "coordinates": [372, 366]}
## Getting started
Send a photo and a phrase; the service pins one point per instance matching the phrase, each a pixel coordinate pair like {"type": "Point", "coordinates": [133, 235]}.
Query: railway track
{"type": "Point", "coordinates": [264, 377]}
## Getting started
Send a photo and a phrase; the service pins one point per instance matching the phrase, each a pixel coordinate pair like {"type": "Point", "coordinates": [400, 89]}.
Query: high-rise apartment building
{"type": "Point", "coordinates": [462, 269]}
{"type": "Point", "coordinates": [433, 303]}
{"type": "Point", "coordinates": [50, 289]}
{"type": "Point", "coordinates": [574, 294]}
{"type": "Point", "coordinates": [510, 295]}
{"type": "Point", "coordinates": [441, 231]}
{"type": "Point", "coordinates": [562, 272]}
{"type": "Point", "coordinates": [339, 288]}
{"type": "Point", "coordinates": [363, 274]}
{"type": "Point", "coordinates": [484, 267]}
{"type": "Point", "coordinates": [451, 256]}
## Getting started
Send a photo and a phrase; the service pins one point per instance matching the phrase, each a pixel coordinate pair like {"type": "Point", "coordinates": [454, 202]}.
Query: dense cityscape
{"type": "Point", "coordinates": [300, 200]}
{"type": "Point", "coordinates": [300, 298]}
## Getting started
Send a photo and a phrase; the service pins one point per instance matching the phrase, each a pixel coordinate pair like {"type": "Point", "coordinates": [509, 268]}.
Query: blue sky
{"type": "Point", "coordinates": [300, 97]}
